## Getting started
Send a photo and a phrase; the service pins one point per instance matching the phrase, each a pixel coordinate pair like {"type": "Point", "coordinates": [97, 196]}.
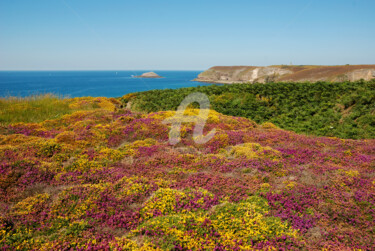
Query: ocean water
{"type": "Point", "coordinates": [89, 83]}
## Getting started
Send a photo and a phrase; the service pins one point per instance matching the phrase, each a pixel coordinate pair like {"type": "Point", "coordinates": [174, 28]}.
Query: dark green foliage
{"type": "Point", "coordinates": [345, 110]}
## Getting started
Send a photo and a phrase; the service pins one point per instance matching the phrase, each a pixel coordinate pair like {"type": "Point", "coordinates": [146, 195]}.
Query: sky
{"type": "Point", "coordinates": [183, 35]}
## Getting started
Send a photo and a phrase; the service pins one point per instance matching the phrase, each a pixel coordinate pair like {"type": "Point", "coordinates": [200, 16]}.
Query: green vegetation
{"type": "Point", "coordinates": [345, 110]}
{"type": "Point", "coordinates": [109, 179]}
{"type": "Point", "coordinates": [34, 109]}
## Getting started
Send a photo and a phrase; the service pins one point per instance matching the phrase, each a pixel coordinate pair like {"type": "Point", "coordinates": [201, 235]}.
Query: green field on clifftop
{"type": "Point", "coordinates": [344, 110]}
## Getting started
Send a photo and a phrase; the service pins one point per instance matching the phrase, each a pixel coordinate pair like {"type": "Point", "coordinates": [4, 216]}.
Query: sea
{"type": "Point", "coordinates": [90, 83]}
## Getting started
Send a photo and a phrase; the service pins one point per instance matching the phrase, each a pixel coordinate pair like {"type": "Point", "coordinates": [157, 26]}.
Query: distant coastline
{"type": "Point", "coordinates": [286, 73]}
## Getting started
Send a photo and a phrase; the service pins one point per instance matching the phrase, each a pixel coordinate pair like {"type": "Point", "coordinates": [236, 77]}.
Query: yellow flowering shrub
{"type": "Point", "coordinates": [74, 202]}
{"type": "Point", "coordinates": [213, 116]}
{"type": "Point", "coordinates": [178, 170]}
{"type": "Point", "coordinates": [67, 137]}
{"type": "Point", "coordinates": [269, 125]}
{"type": "Point", "coordinates": [83, 164]}
{"type": "Point", "coordinates": [146, 142]}
{"type": "Point", "coordinates": [265, 186]}
{"type": "Point", "coordinates": [21, 238]}
{"type": "Point", "coordinates": [349, 173]}
{"type": "Point", "coordinates": [148, 246]}
{"type": "Point", "coordinates": [236, 225]}
{"type": "Point", "coordinates": [132, 185]}
{"type": "Point", "coordinates": [125, 119]}
{"type": "Point", "coordinates": [90, 102]}
{"type": "Point", "coordinates": [82, 124]}
{"type": "Point", "coordinates": [254, 151]}
{"type": "Point", "coordinates": [123, 244]}
{"type": "Point", "coordinates": [79, 103]}
{"type": "Point", "coordinates": [112, 154]}
{"type": "Point", "coordinates": [290, 184]}
{"type": "Point", "coordinates": [105, 103]}
{"type": "Point", "coordinates": [348, 153]}
{"type": "Point", "coordinates": [248, 221]}
{"type": "Point", "coordinates": [79, 115]}
{"type": "Point", "coordinates": [48, 148]}
{"type": "Point", "coordinates": [162, 115]}
{"type": "Point", "coordinates": [29, 204]}
{"type": "Point", "coordinates": [163, 200]}
{"type": "Point", "coordinates": [16, 139]}
{"type": "Point", "coordinates": [163, 183]}
{"type": "Point", "coordinates": [174, 230]}
{"type": "Point", "coordinates": [99, 132]}
{"type": "Point", "coordinates": [131, 148]}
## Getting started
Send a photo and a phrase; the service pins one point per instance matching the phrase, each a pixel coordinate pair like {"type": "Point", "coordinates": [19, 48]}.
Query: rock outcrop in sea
{"type": "Point", "coordinates": [148, 75]}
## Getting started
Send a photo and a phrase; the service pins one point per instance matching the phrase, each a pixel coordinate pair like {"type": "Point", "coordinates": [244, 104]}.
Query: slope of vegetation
{"type": "Point", "coordinates": [42, 107]}
{"type": "Point", "coordinates": [107, 179]}
{"type": "Point", "coordinates": [345, 110]}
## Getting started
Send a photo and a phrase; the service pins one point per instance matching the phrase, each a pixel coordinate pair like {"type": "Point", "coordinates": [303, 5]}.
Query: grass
{"type": "Point", "coordinates": [33, 109]}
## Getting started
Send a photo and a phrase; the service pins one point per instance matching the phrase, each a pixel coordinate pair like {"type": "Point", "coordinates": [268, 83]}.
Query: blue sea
{"type": "Point", "coordinates": [90, 83]}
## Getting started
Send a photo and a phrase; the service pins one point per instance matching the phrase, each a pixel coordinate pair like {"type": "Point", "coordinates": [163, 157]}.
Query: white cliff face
{"type": "Point", "coordinates": [365, 74]}
{"type": "Point", "coordinates": [254, 75]}
{"type": "Point", "coordinates": [271, 73]}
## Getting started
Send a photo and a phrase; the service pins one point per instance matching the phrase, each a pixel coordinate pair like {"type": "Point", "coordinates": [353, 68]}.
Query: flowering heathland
{"type": "Point", "coordinates": [107, 178]}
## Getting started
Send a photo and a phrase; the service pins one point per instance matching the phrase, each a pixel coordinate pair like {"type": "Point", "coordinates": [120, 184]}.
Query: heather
{"type": "Point", "coordinates": [102, 177]}
{"type": "Point", "coordinates": [343, 110]}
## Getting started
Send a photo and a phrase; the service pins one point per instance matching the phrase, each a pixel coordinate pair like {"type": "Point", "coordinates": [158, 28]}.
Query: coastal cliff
{"type": "Point", "coordinates": [286, 73]}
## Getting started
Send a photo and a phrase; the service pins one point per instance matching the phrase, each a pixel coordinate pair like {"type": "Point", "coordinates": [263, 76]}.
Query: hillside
{"type": "Point", "coordinates": [97, 176]}
{"type": "Point", "coordinates": [344, 110]}
{"type": "Point", "coordinates": [286, 73]}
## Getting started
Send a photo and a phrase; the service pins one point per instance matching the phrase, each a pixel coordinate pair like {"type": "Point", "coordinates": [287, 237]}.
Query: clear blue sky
{"type": "Point", "coordinates": [140, 34]}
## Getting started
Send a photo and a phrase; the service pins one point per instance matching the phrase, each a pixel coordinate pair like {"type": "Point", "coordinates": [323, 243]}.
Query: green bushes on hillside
{"type": "Point", "coordinates": [345, 110]}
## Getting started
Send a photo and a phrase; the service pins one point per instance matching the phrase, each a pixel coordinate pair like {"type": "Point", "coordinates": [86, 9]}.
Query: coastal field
{"type": "Point", "coordinates": [344, 110]}
{"type": "Point", "coordinates": [95, 175]}
{"type": "Point", "coordinates": [167, 125]}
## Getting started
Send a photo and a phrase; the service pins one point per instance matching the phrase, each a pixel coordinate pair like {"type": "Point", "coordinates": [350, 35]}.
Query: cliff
{"type": "Point", "coordinates": [286, 73]}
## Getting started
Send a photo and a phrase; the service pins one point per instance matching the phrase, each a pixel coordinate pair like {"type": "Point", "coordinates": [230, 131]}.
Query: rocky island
{"type": "Point", "coordinates": [286, 73]}
{"type": "Point", "coordinates": [148, 75]}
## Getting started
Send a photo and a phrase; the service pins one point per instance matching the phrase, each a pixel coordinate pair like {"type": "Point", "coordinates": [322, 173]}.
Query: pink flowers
{"type": "Point", "coordinates": [95, 176]}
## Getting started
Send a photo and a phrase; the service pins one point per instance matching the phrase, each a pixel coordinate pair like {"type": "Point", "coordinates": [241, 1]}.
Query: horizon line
{"type": "Point", "coordinates": [108, 70]}
{"type": "Point", "coordinates": [2, 70]}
